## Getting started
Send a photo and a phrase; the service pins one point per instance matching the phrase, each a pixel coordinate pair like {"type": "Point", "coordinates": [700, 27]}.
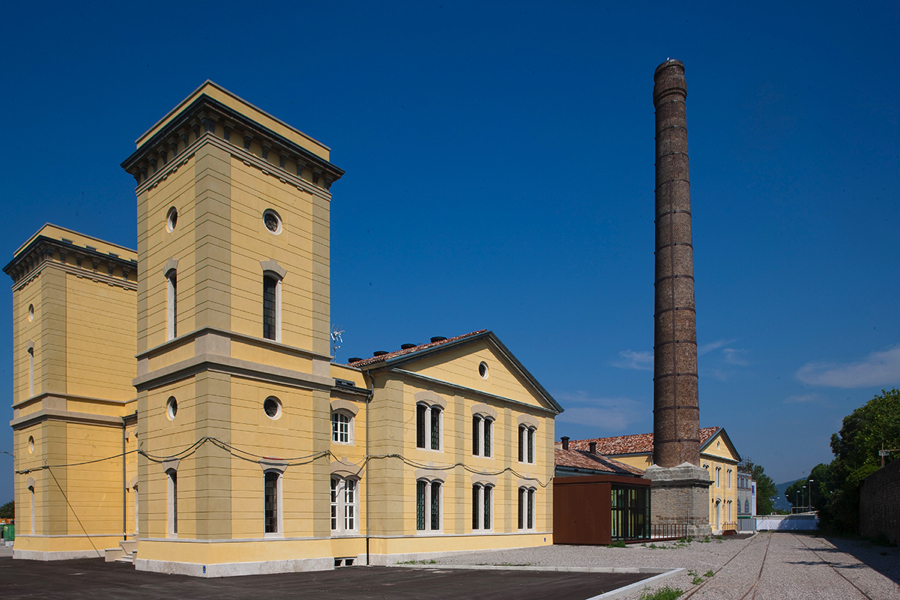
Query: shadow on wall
{"type": "Point", "coordinates": [885, 560]}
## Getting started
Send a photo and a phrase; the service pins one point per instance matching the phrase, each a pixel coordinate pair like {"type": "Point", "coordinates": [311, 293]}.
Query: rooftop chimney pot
{"type": "Point", "coordinates": [565, 442]}
{"type": "Point", "coordinates": [592, 447]}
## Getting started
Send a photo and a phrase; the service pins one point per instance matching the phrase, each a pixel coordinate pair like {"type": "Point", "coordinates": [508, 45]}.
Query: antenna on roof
{"type": "Point", "coordinates": [336, 339]}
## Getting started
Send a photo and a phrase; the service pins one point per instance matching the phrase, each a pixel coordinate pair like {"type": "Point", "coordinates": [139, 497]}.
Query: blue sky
{"type": "Point", "coordinates": [499, 161]}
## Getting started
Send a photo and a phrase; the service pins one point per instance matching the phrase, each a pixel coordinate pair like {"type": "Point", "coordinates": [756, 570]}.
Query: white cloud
{"type": "Point", "coordinates": [713, 346]}
{"type": "Point", "coordinates": [879, 368]}
{"type": "Point", "coordinates": [803, 399]}
{"type": "Point", "coordinates": [642, 361]}
{"type": "Point", "coordinates": [733, 356]}
{"type": "Point", "coordinates": [608, 414]}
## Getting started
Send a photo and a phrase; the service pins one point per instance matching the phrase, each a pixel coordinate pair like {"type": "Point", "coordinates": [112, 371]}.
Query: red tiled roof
{"type": "Point", "coordinates": [594, 462]}
{"type": "Point", "coordinates": [641, 443]}
{"type": "Point", "coordinates": [385, 357]}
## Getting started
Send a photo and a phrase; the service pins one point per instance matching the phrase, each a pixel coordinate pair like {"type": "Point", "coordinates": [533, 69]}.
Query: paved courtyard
{"type": "Point", "coordinates": [775, 566]}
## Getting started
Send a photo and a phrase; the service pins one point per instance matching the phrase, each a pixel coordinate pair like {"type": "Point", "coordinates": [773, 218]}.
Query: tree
{"type": "Point", "coordinates": [8, 510]}
{"type": "Point", "coordinates": [765, 487]}
{"type": "Point", "coordinates": [794, 492]}
{"type": "Point", "coordinates": [865, 431]}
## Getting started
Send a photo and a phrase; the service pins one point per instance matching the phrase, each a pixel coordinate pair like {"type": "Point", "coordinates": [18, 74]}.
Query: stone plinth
{"type": "Point", "coordinates": [680, 496]}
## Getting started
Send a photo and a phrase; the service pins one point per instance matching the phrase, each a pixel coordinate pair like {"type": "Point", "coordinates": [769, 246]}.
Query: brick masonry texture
{"type": "Point", "coordinates": [879, 504]}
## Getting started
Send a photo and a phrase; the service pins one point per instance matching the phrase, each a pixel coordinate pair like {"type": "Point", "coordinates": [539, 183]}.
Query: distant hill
{"type": "Point", "coordinates": [781, 502]}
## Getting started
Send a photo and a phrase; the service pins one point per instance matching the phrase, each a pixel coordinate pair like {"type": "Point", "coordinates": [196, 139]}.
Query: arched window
{"type": "Point", "coordinates": [428, 505]}
{"type": "Point", "coordinates": [172, 305]}
{"type": "Point", "coordinates": [526, 508]}
{"type": "Point", "coordinates": [482, 507]}
{"type": "Point", "coordinates": [428, 426]}
{"type": "Point", "coordinates": [30, 369]}
{"type": "Point", "coordinates": [341, 427]}
{"type": "Point", "coordinates": [172, 480]}
{"type": "Point", "coordinates": [344, 505]}
{"type": "Point", "coordinates": [273, 275]}
{"type": "Point", "coordinates": [482, 436]}
{"type": "Point", "coordinates": [526, 444]}
{"type": "Point", "coordinates": [272, 501]}
{"type": "Point", "coordinates": [31, 497]}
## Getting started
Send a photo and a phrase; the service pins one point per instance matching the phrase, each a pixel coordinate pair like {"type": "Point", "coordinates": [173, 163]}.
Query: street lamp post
{"type": "Point", "coordinates": [797, 501]}
{"type": "Point", "coordinates": [811, 481]}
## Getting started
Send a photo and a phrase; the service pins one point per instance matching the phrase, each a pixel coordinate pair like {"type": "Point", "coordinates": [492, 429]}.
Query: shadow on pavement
{"type": "Point", "coordinates": [884, 560]}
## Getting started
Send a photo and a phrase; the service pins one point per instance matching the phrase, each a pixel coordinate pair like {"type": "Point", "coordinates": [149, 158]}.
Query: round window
{"type": "Point", "coordinates": [483, 370]}
{"type": "Point", "coordinates": [172, 219]}
{"type": "Point", "coordinates": [272, 221]}
{"type": "Point", "coordinates": [30, 312]}
{"type": "Point", "coordinates": [272, 406]}
{"type": "Point", "coordinates": [171, 408]}
{"type": "Point", "coordinates": [31, 444]}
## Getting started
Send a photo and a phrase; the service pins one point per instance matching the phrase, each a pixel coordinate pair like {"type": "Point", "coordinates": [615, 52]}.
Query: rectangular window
{"type": "Point", "coordinates": [476, 435]}
{"type": "Point", "coordinates": [435, 428]}
{"type": "Point", "coordinates": [420, 505]}
{"type": "Point", "coordinates": [487, 507]}
{"type": "Point", "coordinates": [173, 502]}
{"type": "Point", "coordinates": [349, 505]}
{"type": "Point", "coordinates": [31, 372]}
{"type": "Point", "coordinates": [270, 323]}
{"type": "Point", "coordinates": [271, 502]}
{"type": "Point", "coordinates": [340, 428]}
{"type": "Point", "coordinates": [530, 509]}
{"type": "Point", "coordinates": [530, 446]}
{"type": "Point", "coordinates": [522, 444]}
{"type": "Point", "coordinates": [476, 506]}
{"type": "Point", "coordinates": [488, 432]}
{"type": "Point", "coordinates": [522, 500]}
{"type": "Point", "coordinates": [435, 505]}
{"type": "Point", "coordinates": [420, 425]}
{"type": "Point", "coordinates": [334, 504]}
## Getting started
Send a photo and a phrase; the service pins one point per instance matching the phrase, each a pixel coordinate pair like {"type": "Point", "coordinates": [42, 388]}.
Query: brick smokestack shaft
{"type": "Point", "coordinates": [676, 406]}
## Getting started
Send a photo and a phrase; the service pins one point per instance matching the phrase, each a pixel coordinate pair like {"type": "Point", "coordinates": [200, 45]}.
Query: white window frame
{"type": "Point", "coordinates": [171, 304]}
{"type": "Point", "coordinates": [172, 503]}
{"type": "Point", "coordinates": [728, 479]}
{"type": "Point", "coordinates": [718, 477]}
{"type": "Point", "coordinates": [340, 487]}
{"type": "Point", "coordinates": [31, 494]}
{"type": "Point", "coordinates": [429, 487]}
{"type": "Point", "coordinates": [527, 439]}
{"type": "Point", "coordinates": [479, 488]}
{"type": "Point", "coordinates": [30, 371]}
{"type": "Point", "coordinates": [479, 424]}
{"type": "Point", "coordinates": [429, 415]}
{"type": "Point", "coordinates": [529, 494]}
{"type": "Point", "coordinates": [279, 511]}
{"type": "Point", "coordinates": [336, 433]}
{"type": "Point", "coordinates": [274, 277]}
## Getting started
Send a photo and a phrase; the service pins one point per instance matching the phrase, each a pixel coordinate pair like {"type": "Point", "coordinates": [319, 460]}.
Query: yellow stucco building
{"type": "Point", "coordinates": [181, 399]}
{"type": "Point", "coordinates": [717, 455]}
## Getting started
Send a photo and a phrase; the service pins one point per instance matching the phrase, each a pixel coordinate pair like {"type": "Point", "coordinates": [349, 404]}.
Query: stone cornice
{"type": "Point", "coordinates": [43, 250]}
{"type": "Point", "coordinates": [52, 414]}
{"type": "Point", "coordinates": [467, 390]}
{"type": "Point", "coordinates": [40, 398]}
{"type": "Point", "coordinates": [204, 114]}
{"type": "Point", "coordinates": [240, 337]}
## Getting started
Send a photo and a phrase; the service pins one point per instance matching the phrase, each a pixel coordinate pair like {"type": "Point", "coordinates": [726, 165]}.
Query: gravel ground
{"type": "Point", "coordinates": [782, 566]}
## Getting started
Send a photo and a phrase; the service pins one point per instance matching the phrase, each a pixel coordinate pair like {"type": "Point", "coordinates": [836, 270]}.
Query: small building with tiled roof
{"type": "Point", "coordinates": [717, 455]}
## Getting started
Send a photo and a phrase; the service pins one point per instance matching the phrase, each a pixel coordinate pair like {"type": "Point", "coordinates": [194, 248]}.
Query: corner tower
{"type": "Point", "coordinates": [233, 306]}
{"type": "Point", "coordinates": [679, 482]}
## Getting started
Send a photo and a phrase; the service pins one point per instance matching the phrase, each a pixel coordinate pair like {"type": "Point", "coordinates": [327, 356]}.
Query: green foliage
{"type": "Point", "coordinates": [855, 448]}
{"type": "Point", "coordinates": [708, 574]}
{"type": "Point", "coordinates": [697, 580]}
{"type": "Point", "coordinates": [617, 545]}
{"type": "Point", "coordinates": [765, 487]}
{"type": "Point", "coordinates": [664, 593]}
{"type": "Point", "coordinates": [8, 510]}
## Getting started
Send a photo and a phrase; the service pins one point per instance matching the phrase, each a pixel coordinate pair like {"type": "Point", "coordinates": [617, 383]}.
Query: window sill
{"type": "Point", "coordinates": [273, 536]}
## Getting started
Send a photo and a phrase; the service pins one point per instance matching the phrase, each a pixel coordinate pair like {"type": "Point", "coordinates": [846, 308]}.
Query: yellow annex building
{"type": "Point", "coordinates": [717, 455]}
{"type": "Point", "coordinates": [178, 405]}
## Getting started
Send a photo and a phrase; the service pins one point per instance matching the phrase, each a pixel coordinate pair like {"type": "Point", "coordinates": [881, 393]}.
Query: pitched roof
{"type": "Point", "coordinates": [578, 459]}
{"type": "Point", "coordinates": [391, 355]}
{"type": "Point", "coordinates": [399, 357]}
{"type": "Point", "coordinates": [641, 443]}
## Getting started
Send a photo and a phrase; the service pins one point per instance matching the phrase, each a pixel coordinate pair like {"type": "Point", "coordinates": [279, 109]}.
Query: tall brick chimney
{"type": "Point", "coordinates": [676, 407]}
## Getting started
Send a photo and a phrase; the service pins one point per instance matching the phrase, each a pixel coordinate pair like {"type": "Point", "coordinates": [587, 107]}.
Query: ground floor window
{"type": "Point", "coordinates": [428, 505]}
{"type": "Point", "coordinates": [630, 513]}
{"type": "Point", "coordinates": [270, 493]}
{"type": "Point", "coordinates": [482, 506]}
{"type": "Point", "coordinates": [526, 508]}
{"type": "Point", "coordinates": [344, 505]}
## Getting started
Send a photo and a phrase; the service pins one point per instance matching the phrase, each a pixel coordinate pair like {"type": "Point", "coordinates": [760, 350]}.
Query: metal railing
{"type": "Point", "coordinates": [668, 531]}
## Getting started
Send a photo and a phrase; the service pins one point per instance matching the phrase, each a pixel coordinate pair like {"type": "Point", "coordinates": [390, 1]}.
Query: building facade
{"type": "Point", "coordinates": [232, 444]}
{"type": "Point", "coordinates": [718, 457]}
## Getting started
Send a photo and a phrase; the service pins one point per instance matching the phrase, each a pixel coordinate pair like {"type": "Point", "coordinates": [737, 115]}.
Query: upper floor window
{"type": "Point", "coordinates": [428, 505]}
{"type": "Point", "coordinates": [172, 305]}
{"type": "Point", "coordinates": [718, 476]}
{"type": "Point", "coordinates": [341, 430]}
{"type": "Point", "coordinates": [270, 307]}
{"type": "Point", "coordinates": [428, 426]}
{"type": "Point", "coordinates": [482, 436]}
{"type": "Point", "coordinates": [172, 480]}
{"type": "Point", "coordinates": [526, 444]}
{"type": "Point", "coordinates": [272, 501]}
{"type": "Point", "coordinates": [728, 479]}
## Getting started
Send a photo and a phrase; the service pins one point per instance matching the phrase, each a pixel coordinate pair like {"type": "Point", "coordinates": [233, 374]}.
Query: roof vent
{"type": "Point", "coordinates": [565, 442]}
{"type": "Point", "coordinates": [343, 382]}
{"type": "Point", "coordinates": [354, 359]}
{"type": "Point", "coordinates": [380, 353]}
{"type": "Point", "coordinates": [407, 346]}
{"type": "Point", "coordinates": [438, 339]}
{"type": "Point", "coordinates": [592, 447]}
